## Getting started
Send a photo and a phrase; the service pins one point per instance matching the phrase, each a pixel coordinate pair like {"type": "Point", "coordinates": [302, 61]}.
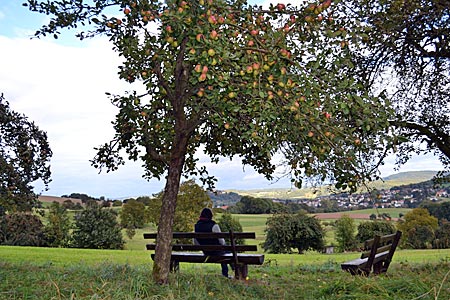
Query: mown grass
{"type": "Point", "coordinates": [102, 280]}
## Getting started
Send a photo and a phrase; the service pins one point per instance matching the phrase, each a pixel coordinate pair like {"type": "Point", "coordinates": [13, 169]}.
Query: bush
{"type": "Point", "coordinates": [133, 214]}
{"type": "Point", "coordinates": [21, 229]}
{"type": "Point", "coordinates": [442, 240]}
{"type": "Point", "coordinates": [367, 230]}
{"type": "Point", "coordinates": [57, 231]}
{"type": "Point", "coordinates": [285, 232]}
{"type": "Point", "coordinates": [227, 223]}
{"type": "Point", "coordinates": [97, 228]}
{"type": "Point", "coordinates": [345, 233]}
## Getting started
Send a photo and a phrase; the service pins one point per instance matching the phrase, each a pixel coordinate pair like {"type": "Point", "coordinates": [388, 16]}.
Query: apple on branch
{"type": "Point", "coordinates": [281, 6]}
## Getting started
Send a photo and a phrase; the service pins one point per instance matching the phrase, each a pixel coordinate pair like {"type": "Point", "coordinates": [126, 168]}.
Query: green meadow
{"type": "Point", "coordinates": [49, 273]}
{"type": "Point", "coordinates": [57, 273]}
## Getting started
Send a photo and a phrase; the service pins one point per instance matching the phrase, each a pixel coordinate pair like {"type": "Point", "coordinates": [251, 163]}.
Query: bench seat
{"type": "Point", "coordinates": [361, 263]}
{"type": "Point", "coordinates": [190, 257]}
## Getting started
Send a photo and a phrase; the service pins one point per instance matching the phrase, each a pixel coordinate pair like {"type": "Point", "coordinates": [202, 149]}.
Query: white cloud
{"type": "Point", "coordinates": [63, 89]}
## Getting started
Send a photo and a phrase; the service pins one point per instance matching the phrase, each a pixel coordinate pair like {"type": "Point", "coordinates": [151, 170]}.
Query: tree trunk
{"type": "Point", "coordinates": [161, 266]}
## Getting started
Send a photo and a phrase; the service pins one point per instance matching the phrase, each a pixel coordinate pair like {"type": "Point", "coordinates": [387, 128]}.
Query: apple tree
{"type": "Point", "coordinates": [24, 159]}
{"type": "Point", "coordinates": [273, 86]}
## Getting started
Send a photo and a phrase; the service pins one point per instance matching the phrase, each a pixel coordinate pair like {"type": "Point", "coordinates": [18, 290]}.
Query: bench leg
{"type": "Point", "coordinates": [377, 268]}
{"type": "Point", "coordinates": [241, 271]}
{"type": "Point", "coordinates": [174, 266]}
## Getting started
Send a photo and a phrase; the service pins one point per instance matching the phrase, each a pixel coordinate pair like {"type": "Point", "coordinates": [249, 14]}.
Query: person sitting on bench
{"type": "Point", "coordinates": [206, 224]}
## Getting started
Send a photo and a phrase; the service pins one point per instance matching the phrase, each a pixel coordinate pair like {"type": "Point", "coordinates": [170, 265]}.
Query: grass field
{"type": "Point", "coordinates": [49, 273]}
{"type": "Point", "coordinates": [55, 273]}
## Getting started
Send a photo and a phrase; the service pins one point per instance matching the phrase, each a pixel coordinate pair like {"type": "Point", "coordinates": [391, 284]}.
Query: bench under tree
{"type": "Point", "coordinates": [376, 257]}
{"type": "Point", "coordinates": [189, 253]}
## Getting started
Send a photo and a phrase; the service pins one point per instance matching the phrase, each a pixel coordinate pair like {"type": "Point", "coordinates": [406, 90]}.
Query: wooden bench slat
{"type": "Point", "coordinates": [206, 235]}
{"type": "Point", "coordinates": [189, 257]}
{"type": "Point", "coordinates": [188, 247]}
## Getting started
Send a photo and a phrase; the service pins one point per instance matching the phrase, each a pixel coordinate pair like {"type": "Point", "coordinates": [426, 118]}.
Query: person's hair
{"type": "Point", "coordinates": [206, 213]}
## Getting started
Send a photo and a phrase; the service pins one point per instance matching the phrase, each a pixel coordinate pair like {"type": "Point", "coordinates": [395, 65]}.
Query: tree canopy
{"type": "Point", "coordinates": [405, 57]}
{"type": "Point", "coordinates": [191, 199]}
{"type": "Point", "coordinates": [24, 158]}
{"type": "Point", "coordinates": [419, 228]}
{"type": "Point", "coordinates": [230, 79]}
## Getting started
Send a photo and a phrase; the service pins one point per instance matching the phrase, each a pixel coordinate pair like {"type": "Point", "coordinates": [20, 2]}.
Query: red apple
{"type": "Point", "coordinates": [213, 34]}
{"type": "Point", "coordinates": [212, 19]}
{"type": "Point", "coordinates": [199, 37]}
{"type": "Point", "coordinates": [281, 6]}
{"type": "Point", "coordinates": [202, 77]}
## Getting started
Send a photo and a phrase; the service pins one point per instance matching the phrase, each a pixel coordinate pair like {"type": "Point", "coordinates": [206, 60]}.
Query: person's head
{"type": "Point", "coordinates": [206, 214]}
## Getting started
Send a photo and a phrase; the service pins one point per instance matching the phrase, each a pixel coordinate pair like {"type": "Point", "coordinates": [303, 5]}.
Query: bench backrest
{"type": "Point", "coordinates": [379, 244]}
{"type": "Point", "coordinates": [233, 236]}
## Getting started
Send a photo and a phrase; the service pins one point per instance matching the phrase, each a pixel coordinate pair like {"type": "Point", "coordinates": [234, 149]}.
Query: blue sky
{"type": "Point", "coordinates": [61, 84]}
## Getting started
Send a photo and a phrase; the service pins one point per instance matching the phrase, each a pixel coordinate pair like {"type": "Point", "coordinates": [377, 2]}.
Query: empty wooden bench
{"type": "Point", "coordinates": [234, 254]}
{"type": "Point", "coordinates": [376, 257]}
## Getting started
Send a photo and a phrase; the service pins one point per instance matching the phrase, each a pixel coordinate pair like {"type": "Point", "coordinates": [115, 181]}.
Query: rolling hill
{"type": "Point", "coordinates": [398, 179]}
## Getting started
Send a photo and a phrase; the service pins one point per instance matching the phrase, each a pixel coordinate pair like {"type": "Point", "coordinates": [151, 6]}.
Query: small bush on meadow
{"type": "Point", "coordinates": [97, 228]}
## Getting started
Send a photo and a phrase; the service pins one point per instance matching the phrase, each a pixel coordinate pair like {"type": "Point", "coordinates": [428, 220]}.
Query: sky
{"type": "Point", "coordinates": [61, 85]}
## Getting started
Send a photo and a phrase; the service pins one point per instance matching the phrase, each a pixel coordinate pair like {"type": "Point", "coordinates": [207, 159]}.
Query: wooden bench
{"type": "Point", "coordinates": [234, 255]}
{"type": "Point", "coordinates": [376, 257]}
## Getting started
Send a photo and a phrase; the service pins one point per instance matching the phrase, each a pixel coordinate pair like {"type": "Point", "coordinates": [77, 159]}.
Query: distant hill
{"type": "Point", "coordinates": [416, 176]}
{"type": "Point", "coordinates": [402, 178]}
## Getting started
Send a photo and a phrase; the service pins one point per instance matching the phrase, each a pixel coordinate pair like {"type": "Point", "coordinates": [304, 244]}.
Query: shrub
{"type": "Point", "coordinates": [285, 232]}
{"type": "Point", "coordinates": [21, 229]}
{"type": "Point", "coordinates": [133, 214]}
{"type": "Point", "coordinates": [97, 228]}
{"type": "Point", "coordinates": [345, 233]}
{"type": "Point", "coordinates": [57, 231]}
{"type": "Point", "coordinates": [367, 230]}
{"type": "Point", "coordinates": [227, 223]}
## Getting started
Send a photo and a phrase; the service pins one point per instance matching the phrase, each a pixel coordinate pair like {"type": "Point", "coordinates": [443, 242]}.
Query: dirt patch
{"type": "Point", "coordinates": [58, 199]}
{"type": "Point", "coordinates": [322, 216]}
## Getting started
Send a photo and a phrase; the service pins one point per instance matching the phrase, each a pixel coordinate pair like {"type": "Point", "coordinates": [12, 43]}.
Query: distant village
{"type": "Point", "coordinates": [405, 196]}
{"type": "Point", "coordinates": [408, 197]}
